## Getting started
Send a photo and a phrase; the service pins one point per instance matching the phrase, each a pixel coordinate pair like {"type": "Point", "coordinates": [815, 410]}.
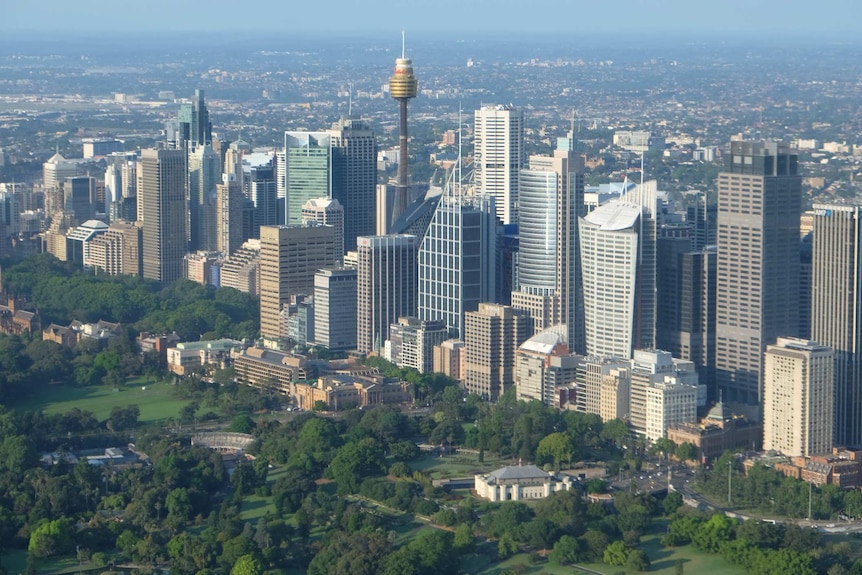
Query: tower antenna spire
{"type": "Point", "coordinates": [403, 52]}
{"type": "Point", "coordinates": [350, 99]}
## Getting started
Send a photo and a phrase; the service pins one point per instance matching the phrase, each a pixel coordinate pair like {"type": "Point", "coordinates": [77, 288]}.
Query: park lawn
{"type": "Point", "coordinates": [663, 560]}
{"type": "Point", "coordinates": [155, 402]}
{"type": "Point", "coordinates": [449, 466]}
{"type": "Point", "coordinates": [254, 507]}
{"type": "Point", "coordinates": [15, 562]}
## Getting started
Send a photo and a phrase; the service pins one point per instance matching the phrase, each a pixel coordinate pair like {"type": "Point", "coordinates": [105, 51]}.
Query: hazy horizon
{"type": "Point", "coordinates": [730, 18]}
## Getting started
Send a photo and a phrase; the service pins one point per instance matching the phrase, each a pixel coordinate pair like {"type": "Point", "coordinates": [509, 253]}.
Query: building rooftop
{"type": "Point", "coordinates": [544, 342]}
{"type": "Point", "coordinates": [513, 472]}
{"type": "Point", "coordinates": [615, 215]}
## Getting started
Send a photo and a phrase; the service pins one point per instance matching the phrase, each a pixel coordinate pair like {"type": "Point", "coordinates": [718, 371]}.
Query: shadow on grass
{"type": "Point", "coordinates": [658, 565]}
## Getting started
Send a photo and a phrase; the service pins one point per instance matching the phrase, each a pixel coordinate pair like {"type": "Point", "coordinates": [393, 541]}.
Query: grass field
{"type": "Point", "coordinates": [663, 561]}
{"type": "Point", "coordinates": [254, 506]}
{"type": "Point", "coordinates": [155, 402]}
{"type": "Point", "coordinates": [449, 466]}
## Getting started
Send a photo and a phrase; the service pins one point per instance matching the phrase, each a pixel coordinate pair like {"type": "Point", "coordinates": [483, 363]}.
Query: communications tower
{"type": "Point", "coordinates": [402, 86]}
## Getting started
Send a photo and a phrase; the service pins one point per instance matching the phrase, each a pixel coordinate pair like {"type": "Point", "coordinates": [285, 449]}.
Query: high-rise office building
{"type": "Point", "coordinates": [328, 212]}
{"type": "Point", "coordinates": [549, 271]}
{"type": "Point", "coordinates": [498, 155]}
{"type": "Point", "coordinates": [386, 288]}
{"type": "Point", "coordinates": [228, 208]}
{"type": "Point", "coordinates": [457, 260]}
{"type": "Point", "coordinates": [703, 218]}
{"type": "Point", "coordinates": [685, 318]}
{"type": "Point", "coordinates": [492, 335]}
{"type": "Point", "coordinates": [759, 202]}
{"type": "Point", "coordinates": [195, 127]}
{"type": "Point", "coordinates": [121, 186]}
{"type": "Point", "coordinates": [163, 178]}
{"type": "Point", "coordinates": [798, 380]}
{"type": "Point", "coordinates": [308, 170]}
{"type": "Point", "coordinates": [335, 308]}
{"type": "Point", "coordinates": [412, 341]}
{"type": "Point", "coordinates": [836, 305]}
{"type": "Point", "coordinates": [354, 176]}
{"type": "Point", "coordinates": [79, 194]}
{"type": "Point", "coordinates": [56, 170]}
{"type": "Point", "coordinates": [618, 261]}
{"type": "Point", "coordinates": [262, 192]}
{"type": "Point", "coordinates": [289, 258]}
{"type": "Point", "coordinates": [205, 173]}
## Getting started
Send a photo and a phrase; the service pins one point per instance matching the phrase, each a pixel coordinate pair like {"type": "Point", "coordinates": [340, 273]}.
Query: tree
{"type": "Point", "coordinates": [672, 502]}
{"type": "Point", "coordinates": [567, 550]}
{"type": "Point", "coordinates": [351, 554]}
{"type": "Point", "coordinates": [616, 554]}
{"type": "Point", "coordinates": [506, 547]}
{"type": "Point", "coordinates": [685, 451]}
{"type": "Point", "coordinates": [710, 535]}
{"type": "Point", "coordinates": [247, 565]}
{"type": "Point", "coordinates": [51, 538]}
{"type": "Point", "coordinates": [242, 424]}
{"type": "Point", "coordinates": [464, 541]}
{"type": "Point", "coordinates": [557, 448]}
{"type": "Point", "coordinates": [615, 431]}
{"type": "Point", "coordinates": [638, 560]}
{"type": "Point", "coordinates": [538, 533]}
{"type": "Point", "coordinates": [354, 462]}
{"type": "Point", "coordinates": [320, 405]}
{"type": "Point", "coordinates": [664, 446]}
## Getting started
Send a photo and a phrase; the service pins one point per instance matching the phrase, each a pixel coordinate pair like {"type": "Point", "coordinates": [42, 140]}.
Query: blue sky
{"type": "Point", "coordinates": [836, 19]}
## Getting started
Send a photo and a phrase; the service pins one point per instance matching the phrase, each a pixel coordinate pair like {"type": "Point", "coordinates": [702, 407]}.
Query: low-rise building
{"type": "Point", "coordinates": [270, 369]}
{"type": "Point", "coordinates": [519, 482]}
{"type": "Point", "coordinates": [189, 356]}
{"type": "Point", "coordinates": [721, 430]}
{"type": "Point", "coordinates": [343, 391]}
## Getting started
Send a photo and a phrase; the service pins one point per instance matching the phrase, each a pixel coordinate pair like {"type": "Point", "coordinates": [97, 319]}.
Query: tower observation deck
{"type": "Point", "coordinates": [402, 86]}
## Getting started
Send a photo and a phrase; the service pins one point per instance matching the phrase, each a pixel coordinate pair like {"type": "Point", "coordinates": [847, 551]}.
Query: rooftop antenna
{"type": "Point", "coordinates": [350, 99]}
{"type": "Point", "coordinates": [642, 167]}
{"type": "Point", "coordinates": [460, 161]}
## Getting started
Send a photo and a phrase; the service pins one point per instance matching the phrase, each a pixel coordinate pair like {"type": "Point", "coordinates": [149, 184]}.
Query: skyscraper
{"type": "Point", "coordinates": [492, 335]}
{"type": "Point", "coordinates": [327, 212]}
{"type": "Point", "coordinates": [457, 260]}
{"type": "Point", "coordinates": [204, 175]}
{"type": "Point", "coordinates": [228, 209]}
{"type": "Point", "coordinates": [403, 86]}
{"type": "Point", "coordinates": [195, 127]}
{"type": "Point", "coordinates": [335, 308]}
{"type": "Point", "coordinates": [549, 273]}
{"type": "Point", "coordinates": [685, 318]}
{"type": "Point", "coordinates": [498, 155]}
{"type": "Point", "coordinates": [262, 192]}
{"type": "Point", "coordinates": [289, 258]}
{"type": "Point", "coordinates": [308, 170]}
{"type": "Point", "coordinates": [79, 195]}
{"type": "Point", "coordinates": [354, 178]}
{"type": "Point", "coordinates": [798, 382]}
{"type": "Point", "coordinates": [618, 264]}
{"type": "Point", "coordinates": [759, 201]}
{"type": "Point", "coordinates": [162, 192]}
{"type": "Point", "coordinates": [836, 305]}
{"type": "Point", "coordinates": [386, 288]}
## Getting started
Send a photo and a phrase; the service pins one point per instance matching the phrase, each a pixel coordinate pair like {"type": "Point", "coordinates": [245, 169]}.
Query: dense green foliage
{"type": "Point", "coordinates": [767, 490]}
{"type": "Point", "coordinates": [193, 311]}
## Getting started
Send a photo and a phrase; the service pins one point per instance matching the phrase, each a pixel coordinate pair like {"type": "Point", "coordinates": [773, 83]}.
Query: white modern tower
{"type": "Point", "coordinates": [498, 155]}
{"type": "Point", "coordinates": [618, 265]}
